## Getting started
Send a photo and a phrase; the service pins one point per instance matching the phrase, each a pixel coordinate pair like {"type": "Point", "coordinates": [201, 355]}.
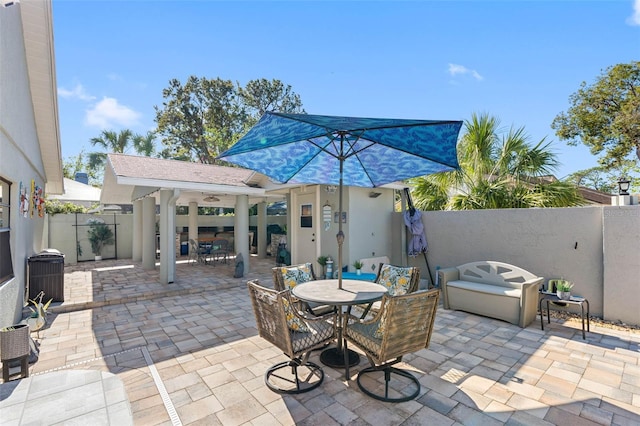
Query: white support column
{"type": "Point", "coordinates": [149, 233]}
{"type": "Point", "coordinates": [262, 230]}
{"type": "Point", "coordinates": [136, 246]}
{"type": "Point", "coordinates": [241, 229]}
{"type": "Point", "coordinates": [168, 235]}
{"type": "Point", "coordinates": [193, 222]}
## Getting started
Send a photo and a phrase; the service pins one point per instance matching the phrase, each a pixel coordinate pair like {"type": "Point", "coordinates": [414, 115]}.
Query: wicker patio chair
{"type": "Point", "coordinates": [403, 325]}
{"type": "Point", "coordinates": [279, 323]}
{"type": "Point", "coordinates": [399, 280]}
{"type": "Point", "coordinates": [287, 277]}
{"type": "Point", "coordinates": [197, 253]}
{"type": "Point", "coordinates": [219, 250]}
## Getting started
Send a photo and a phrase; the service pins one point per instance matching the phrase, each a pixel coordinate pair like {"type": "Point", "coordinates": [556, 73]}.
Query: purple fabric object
{"type": "Point", "coordinates": [418, 241]}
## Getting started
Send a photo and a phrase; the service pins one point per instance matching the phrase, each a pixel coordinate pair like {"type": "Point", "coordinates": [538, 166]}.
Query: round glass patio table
{"type": "Point", "coordinates": [326, 292]}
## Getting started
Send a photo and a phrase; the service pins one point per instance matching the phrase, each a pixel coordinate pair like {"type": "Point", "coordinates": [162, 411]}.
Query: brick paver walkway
{"type": "Point", "coordinates": [188, 353]}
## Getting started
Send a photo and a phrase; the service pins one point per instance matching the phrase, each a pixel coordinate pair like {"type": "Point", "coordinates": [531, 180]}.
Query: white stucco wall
{"type": "Point", "coordinates": [551, 243]}
{"type": "Point", "coordinates": [621, 292]}
{"type": "Point", "coordinates": [595, 247]}
{"type": "Point", "coordinates": [20, 159]}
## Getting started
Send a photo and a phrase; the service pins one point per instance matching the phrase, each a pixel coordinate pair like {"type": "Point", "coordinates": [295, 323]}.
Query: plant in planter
{"type": "Point", "coordinates": [100, 235]}
{"type": "Point", "coordinates": [563, 289]}
{"type": "Point", "coordinates": [358, 265]}
{"type": "Point", "coordinates": [322, 261]}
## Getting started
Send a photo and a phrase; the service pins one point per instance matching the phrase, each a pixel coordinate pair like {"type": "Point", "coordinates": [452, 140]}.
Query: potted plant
{"type": "Point", "coordinates": [563, 289]}
{"type": "Point", "coordinates": [358, 265]}
{"type": "Point", "coordinates": [100, 235]}
{"type": "Point", "coordinates": [322, 261]}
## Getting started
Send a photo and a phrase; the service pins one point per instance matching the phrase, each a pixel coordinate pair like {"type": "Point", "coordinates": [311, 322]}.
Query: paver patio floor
{"type": "Point", "coordinates": [188, 353]}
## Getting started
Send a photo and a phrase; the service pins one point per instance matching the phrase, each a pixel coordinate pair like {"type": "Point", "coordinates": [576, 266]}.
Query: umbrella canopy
{"type": "Point", "coordinates": [351, 151]}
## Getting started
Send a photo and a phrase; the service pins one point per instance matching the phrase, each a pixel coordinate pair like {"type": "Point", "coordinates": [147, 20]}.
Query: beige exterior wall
{"type": "Point", "coordinates": [621, 246]}
{"type": "Point", "coordinates": [20, 159]}
{"type": "Point", "coordinates": [595, 247]}
{"type": "Point", "coordinates": [62, 231]}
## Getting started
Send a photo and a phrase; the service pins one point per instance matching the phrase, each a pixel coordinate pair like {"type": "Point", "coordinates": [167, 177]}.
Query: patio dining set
{"type": "Point", "coordinates": [385, 319]}
{"type": "Point", "coordinates": [209, 250]}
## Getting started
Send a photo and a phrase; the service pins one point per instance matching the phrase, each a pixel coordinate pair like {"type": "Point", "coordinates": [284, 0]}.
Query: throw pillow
{"type": "Point", "coordinates": [293, 276]}
{"type": "Point", "coordinates": [294, 323]}
{"type": "Point", "coordinates": [396, 279]}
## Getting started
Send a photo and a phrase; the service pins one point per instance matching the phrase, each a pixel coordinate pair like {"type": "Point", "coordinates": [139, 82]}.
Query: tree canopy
{"type": "Point", "coordinates": [496, 171]}
{"type": "Point", "coordinates": [203, 117]}
{"type": "Point", "coordinates": [605, 116]}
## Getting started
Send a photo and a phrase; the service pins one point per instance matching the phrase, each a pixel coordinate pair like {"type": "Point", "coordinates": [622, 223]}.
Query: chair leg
{"type": "Point", "coordinates": [280, 382]}
{"type": "Point", "coordinates": [389, 371]}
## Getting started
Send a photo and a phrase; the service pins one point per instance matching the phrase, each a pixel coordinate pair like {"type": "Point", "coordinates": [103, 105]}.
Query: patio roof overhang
{"type": "Point", "coordinates": [39, 52]}
{"type": "Point", "coordinates": [129, 178]}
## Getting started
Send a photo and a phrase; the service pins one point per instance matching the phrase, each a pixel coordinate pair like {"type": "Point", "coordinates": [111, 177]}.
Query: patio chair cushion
{"type": "Point", "coordinates": [293, 321]}
{"type": "Point", "coordinates": [293, 276]}
{"type": "Point", "coordinates": [397, 279]}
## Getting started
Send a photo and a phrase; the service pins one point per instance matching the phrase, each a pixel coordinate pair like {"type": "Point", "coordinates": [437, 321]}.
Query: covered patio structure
{"type": "Point", "coordinates": [148, 182]}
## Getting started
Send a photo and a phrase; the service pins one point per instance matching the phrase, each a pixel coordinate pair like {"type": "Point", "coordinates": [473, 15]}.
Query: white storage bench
{"type": "Point", "coordinates": [492, 289]}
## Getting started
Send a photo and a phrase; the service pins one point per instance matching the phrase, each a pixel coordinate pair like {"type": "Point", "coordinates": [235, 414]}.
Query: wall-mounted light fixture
{"type": "Point", "coordinates": [374, 194]}
{"type": "Point", "coordinates": [623, 185]}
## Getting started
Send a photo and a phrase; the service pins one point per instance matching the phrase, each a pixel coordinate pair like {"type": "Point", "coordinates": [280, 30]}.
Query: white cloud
{"type": "Point", "coordinates": [634, 19]}
{"type": "Point", "coordinates": [109, 113]}
{"type": "Point", "coordinates": [77, 92]}
{"type": "Point", "coordinates": [455, 69]}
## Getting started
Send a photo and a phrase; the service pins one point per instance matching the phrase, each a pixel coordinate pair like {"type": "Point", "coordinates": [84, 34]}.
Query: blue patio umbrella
{"type": "Point", "coordinates": [351, 151]}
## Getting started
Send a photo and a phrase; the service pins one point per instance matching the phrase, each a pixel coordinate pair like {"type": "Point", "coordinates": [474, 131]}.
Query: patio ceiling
{"type": "Point", "coordinates": [128, 178]}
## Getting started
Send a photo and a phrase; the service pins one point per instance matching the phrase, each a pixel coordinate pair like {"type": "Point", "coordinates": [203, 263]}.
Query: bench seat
{"type": "Point", "coordinates": [492, 289]}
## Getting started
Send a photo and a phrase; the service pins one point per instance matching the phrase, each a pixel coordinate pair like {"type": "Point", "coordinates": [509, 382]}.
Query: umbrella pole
{"type": "Point", "coordinates": [340, 235]}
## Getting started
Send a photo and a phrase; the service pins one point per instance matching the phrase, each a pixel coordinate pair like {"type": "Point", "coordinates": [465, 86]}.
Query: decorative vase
{"type": "Point", "coordinates": [97, 258]}
{"type": "Point", "coordinates": [563, 295]}
{"type": "Point", "coordinates": [358, 271]}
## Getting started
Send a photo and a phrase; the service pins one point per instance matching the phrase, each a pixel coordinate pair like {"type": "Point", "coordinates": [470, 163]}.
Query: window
{"type": "Point", "coordinates": [306, 216]}
{"type": "Point", "coordinates": [6, 265]}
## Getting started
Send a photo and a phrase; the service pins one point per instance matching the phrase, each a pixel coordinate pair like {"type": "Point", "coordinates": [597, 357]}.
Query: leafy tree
{"type": "Point", "coordinates": [605, 116]}
{"type": "Point", "coordinates": [75, 164]}
{"type": "Point", "coordinates": [605, 179]}
{"type": "Point", "coordinates": [201, 118]}
{"type": "Point", "coordinates": [496, 171]}
{"type": "Point", "coordinates": [262, 95]}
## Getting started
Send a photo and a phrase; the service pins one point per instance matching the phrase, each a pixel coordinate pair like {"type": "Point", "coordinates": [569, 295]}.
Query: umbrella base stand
{"type": "Point", "coordinates": [333, 357]}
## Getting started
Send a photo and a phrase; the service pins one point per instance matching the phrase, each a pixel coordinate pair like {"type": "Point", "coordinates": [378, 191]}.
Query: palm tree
{"type": "Point", "coordinates": [145, 144]}
{"type": "Point", "coordinates": [496, 171]}
{"type": "Point", "coordinates": [111, 142]}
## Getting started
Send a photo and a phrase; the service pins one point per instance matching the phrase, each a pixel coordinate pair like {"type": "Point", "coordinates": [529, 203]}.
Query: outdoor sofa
{"type": "Point", "coordinates": [492, 289]}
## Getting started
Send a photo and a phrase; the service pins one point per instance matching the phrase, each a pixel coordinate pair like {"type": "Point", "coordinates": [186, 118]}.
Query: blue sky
{"type": "Point", "coordinates": [517, 60]}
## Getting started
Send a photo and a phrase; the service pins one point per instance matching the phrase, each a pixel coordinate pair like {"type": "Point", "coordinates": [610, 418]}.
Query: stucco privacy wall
{"type": "Point", "coordinates": [621, 231]}
{"type": "Point", "coordinates": [20, 159]}
{"type": "Point", "coordinates": [565, 242]}
{"type": "Point", "coordinates": [62, 230]}
{"type": "Point", "coordinates": [542, 241]}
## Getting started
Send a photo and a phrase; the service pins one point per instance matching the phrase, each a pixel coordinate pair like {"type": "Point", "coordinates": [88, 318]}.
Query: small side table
{"type": "Point", "coordinates": [575, 300]}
